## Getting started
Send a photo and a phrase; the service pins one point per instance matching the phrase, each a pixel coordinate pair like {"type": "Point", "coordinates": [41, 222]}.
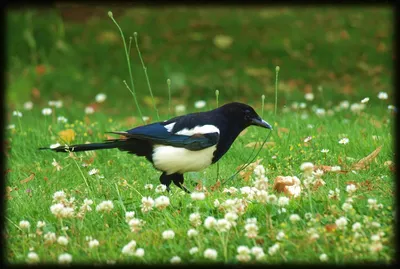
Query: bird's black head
{"type": "Point", "coordinates": [244, 115]}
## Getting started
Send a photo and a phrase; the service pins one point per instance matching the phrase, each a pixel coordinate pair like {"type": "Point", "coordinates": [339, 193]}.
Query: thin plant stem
{"type": "Point", "coordinates": [217, 100]}
{"type": "Point", "coordinates": [262, 105]}
{"type": "Point", "coordinates": [129, 65]}
{"type": "Point", "coordinates": [130, 45]}
{"type": "Point", "coordinates": [84, 178]}
{"type": "Point", "coordinates": [146, 75]}
{"type": "Point", "coordinates": [276, 88]}
{"type": "Point", "coordinates": [169, 96]}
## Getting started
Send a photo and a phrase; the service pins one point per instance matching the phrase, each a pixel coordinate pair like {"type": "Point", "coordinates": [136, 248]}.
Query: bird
{"type": "Point", "coordinates": [188, 143]}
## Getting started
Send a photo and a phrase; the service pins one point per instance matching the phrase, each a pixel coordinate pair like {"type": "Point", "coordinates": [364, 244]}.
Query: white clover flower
{"type": "Point", "coordinates": [129, 215]}
{"type": "Point", "coordinates": [247, 192]}
{"type": "Point", "coordinates": [259, 170]}
{"type": "Point", "coordinates": [243, 254]}
{"type": "Point", "coordinates": [93, 243]}
{"type": "Point", "coordinates": [62, 240]}
{"type": "Point", "coordinates": [135, 225]}
{"type": "Point", "coordinates": [344, 104]}
{"type": "Point", "coordinates": [210, 222]}
{"type": "Point", "coordinates": [11, 126]}
{"type": "Point", "coordinates": [28, 105]}
{"type": "Point", "coordinates": [341, 222]}
{"type": "Point", "coordinates": [280, 236]}
{"type": "Point", "coordinates": [139, 252]}
{"type": "Point", "coordinates": [47, 111]}
{"type": "Point", "coordinates": [223, 225]}
{"type": "Point", "coordinates": [129, 248]}
{"type": "Point", "coordinates": [105, 206]}
{"type": "Point", "coordinates": [56, 104]}
{"type": "Point", "coordinates": [375, 237]}
{"type": "Point", "coordinates": [161, 188]}
{"type": "Point", "coordinates": [148, 186]}
{"type": "Point", "coordinates": [59, 196]}
{"type": "Point", "coordinates": [344, 140]}
{"type": "Point", "coordinates": [93, 172]}
{"type": "Point", "coordinates": [323, 257]}
{"type": "Point", "coordinates": [307, 139]}
{"type": "Point", "coordinates": [175, 259]}
{"type": "Point", "coordinates": [256, 251]}
{"type": "Point", "coordinates": [347, 207]}
{"type": "Point", "coordinates": [40, 224]}
{"type": "Point", "coordinates": [376, 247]}
{"type": "Point", "coordinates": [336, 168]}
{"type": "Point", "coordinates": [307, 167]}
{"type": "Point", "coordinates": [200, 104]}
{"type": "Point", "coordinates": [365, 100]}
{"type": "Point", "coordinates": [180, 109]}
{"type": "Point", "coordinates": [391, 107]}
{"type": "Point", "coordinates": [168, 234]}
{"type": "Point", "coordinates": [356, 226]}
{"type": "Point", "coordinates": [261, 183]}
{"type": "Point", "coordinates": [210, 254]}
{"type": "Point", "coordinates": [324, 150]}
{"type": "Point", "coordinates": [351, 188]}
{"type": "Point", "coordinates": [56, 165]}
{"type": "Point", "coordinates": [302, 105]}
{"type": "Point", "coordinates": [320, 112]}
{"type": "Point", "coordinates": [382, 95]}
{"type": "Point", "coordinates": [17, 113]}
{"type": "Point", "coordinates": [65, 258]}
{"type": "Point", "coordinates": [195, 219]}
{"type": "Point", "coordinates": [89, 110]}
{"type": "Point", "coordinates": [251, 230]}
{"type": "Point", "coordinates": [161, 202]}
{"type": "Point", "coordinates": [309, 96]}
{"type": "Point", "coordinates": [294, 218]}
{"type": "Point", "coordinates": [32, 257]}
{"type": "Point", "coordinates": [50, 237]}
{"type": "Point", "coordinates": [147, 204]}
{"type": "Point", "coordinates": [282, 201]}
{"type": "Point", "coordinates": [192, 233]}
{"type": "Point", "coordinates": [100, 97]}
{"type": "Point", "coordinates": [231, 217]}
{"type": "Point", "coordinates": [357, 108]}
{"type": "Point", "coordinates": [230, 190]}
{"type": "Point", "coordinates": [62, 119]}
{"type": "Point", "coordinates": [375, 224]}
{"type": "Point", "coordinates": [273, 249]}
{"type": "Point", "coordinates": [197, 195]}
{"type": "Point", "coordinates": [271, 199]}
{"type": "Point", "coordinates": [216, 203]}
{"type": "Point", "coordinates": [308, 215]}
{"type": "Point", "coordinates": [24, 225]}
{"type": "Point", "coordinates": [193, 250]}
{"type": "Point", "coordinates": [318, 173]}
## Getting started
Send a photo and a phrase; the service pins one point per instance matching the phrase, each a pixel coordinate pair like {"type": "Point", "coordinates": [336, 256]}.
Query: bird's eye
{"type": "Point", "coordinates": [247, 114]}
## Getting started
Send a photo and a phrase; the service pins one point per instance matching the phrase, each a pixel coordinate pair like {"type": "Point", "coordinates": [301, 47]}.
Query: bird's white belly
{"type": "Point", "coordinates": [179, 160]}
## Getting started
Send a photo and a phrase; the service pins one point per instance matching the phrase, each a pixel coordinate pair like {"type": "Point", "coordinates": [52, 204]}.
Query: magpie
{"type": "Point", "coordinates": [182, 144]}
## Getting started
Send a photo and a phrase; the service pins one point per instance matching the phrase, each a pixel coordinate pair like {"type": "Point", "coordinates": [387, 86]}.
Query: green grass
{"type": "Point", "coordinates": [177, 51]}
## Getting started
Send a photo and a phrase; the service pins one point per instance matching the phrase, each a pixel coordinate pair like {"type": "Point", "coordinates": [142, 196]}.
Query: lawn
{"type": "Point", "coordinates": [333, 131]}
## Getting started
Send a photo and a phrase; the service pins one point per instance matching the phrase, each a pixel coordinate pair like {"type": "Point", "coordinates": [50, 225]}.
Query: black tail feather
{"type": "Point", "coordinates": [86, 147]}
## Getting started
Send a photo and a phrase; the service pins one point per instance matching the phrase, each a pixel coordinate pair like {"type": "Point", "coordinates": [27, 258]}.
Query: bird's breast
{"type": "Point", "coordinates": [179, 160]}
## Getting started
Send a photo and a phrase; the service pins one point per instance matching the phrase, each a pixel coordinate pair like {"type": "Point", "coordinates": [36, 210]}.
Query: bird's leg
{"type": "Point", "coordinates": [166, 180]}
{"type": "Point", "coordinates": [178, 181]}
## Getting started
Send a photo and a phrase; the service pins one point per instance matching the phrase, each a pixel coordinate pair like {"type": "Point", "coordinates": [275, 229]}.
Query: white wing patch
{"type": "Point", "coordinates": [179, 160]}
{"type": "Point", "coordinates": [170, 126]}
{"type": "Point", "coordinates": [205, 129]}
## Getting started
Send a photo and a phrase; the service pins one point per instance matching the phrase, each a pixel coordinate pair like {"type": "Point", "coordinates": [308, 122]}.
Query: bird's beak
{"type": "Point", "coordinates": [262, 123]}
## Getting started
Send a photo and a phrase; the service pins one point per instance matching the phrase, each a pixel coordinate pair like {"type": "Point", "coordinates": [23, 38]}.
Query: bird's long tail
{"type": "Point", "coordinates": [85, 147]}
